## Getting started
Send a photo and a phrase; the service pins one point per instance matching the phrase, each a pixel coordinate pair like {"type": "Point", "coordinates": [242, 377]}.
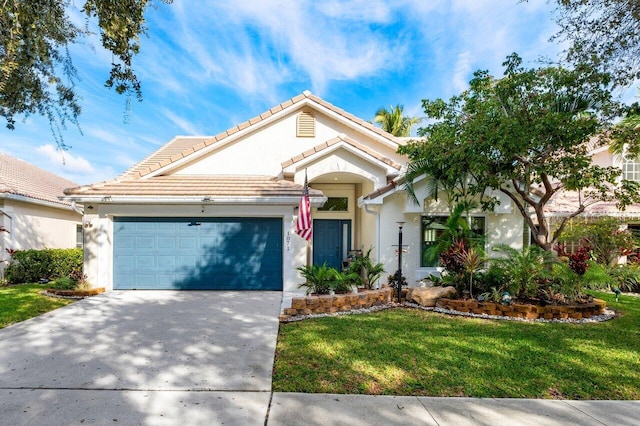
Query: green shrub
{"type": "Point", "coordinates": [597, 277]}
{"type": "Point", "coordinates": [64, 283]}
{"type": "Point", "coordinates": [603, 236]}
{"type": "Point", "coordinates": [27, 266]}
{"type": "Point", "coordinates": [563, 284]}
{"type": "Point", "coordinates": [344, 281]}
{"type": "Point", "coordinates": [368, 272]}
{"type": "Point", "coordinates": [494, 277]}
{"type": "Point", "coordinates": [525, 269]}
{"type": "Point", "coordinates": [319, 278]}
{"type": "Point", "coordinates": [626, 277]}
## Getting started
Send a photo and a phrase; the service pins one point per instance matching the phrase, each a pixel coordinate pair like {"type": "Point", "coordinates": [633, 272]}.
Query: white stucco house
{"type": "Point", "coordinates": [219, 212]}
{"type": "Point", "coordinates": [31, 211]}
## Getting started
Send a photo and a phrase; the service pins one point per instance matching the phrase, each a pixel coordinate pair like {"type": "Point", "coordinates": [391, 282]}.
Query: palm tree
{"type": "Point", "coordinates": [394, 122]}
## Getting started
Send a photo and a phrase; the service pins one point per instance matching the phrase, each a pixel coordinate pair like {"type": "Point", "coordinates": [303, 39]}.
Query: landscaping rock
{"type": "Point", "coordinates": [427, 296]}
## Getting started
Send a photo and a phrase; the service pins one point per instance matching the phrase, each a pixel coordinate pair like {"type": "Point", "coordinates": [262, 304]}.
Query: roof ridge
{"type": "Point", "coordinates": [175, 151]}
{"type": "Point", "coordinates": [340, 138]}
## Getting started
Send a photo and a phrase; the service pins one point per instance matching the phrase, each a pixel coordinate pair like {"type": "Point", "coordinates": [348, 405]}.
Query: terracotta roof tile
{"type": "Point", "coordinates": [309, 153]}
{"type": "Point", "coordinates": [380, 191]}
{"type": "Point", "coordinates": [347, 140]}
{"type": "Point", "coordinates": [198, 186]}
{"type": "Point", "coordinates": [189, 145]}
{"type": "Point", "coordinates": [18, 177]}
{"type": "Point", "coordinates": [565, 202]}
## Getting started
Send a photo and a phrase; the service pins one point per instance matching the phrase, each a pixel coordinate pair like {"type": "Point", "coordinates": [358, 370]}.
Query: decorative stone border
{"type": "Point", "coordinates": [329, 304]}
{"type": "Point", "coordinates": [576, 312]}
{"type": "Point", "coordinates": [76, 294]}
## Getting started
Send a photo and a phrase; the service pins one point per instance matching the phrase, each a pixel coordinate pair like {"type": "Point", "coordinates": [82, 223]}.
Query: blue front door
{"type": "Point", "coordinates": [331, 241]}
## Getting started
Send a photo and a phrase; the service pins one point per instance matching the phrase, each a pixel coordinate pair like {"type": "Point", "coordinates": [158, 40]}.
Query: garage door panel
{"type": "Point", "coordinates": [167, 242]}
{"type": "Point", "coordinates": [148, 242]}
{"type": "Point", "coordinates": [198, 253]}
{"type": "Point", "coordinates": [187, 242]}
{"type": "Point", "coordinates": [145, 261]}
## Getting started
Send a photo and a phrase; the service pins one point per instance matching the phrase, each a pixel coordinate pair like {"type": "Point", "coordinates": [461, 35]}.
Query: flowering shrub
{"type": "Point", "coordinates": [451, 258]}
{"type": "Point", "coordinates": [578, 261]}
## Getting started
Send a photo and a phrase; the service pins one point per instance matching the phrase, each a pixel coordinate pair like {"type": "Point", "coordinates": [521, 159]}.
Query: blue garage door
{"type": "Point", "coordinates": [198, 253]}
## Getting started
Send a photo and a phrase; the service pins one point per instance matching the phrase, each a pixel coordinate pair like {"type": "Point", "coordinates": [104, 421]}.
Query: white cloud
{"type": "Point", "coordinates": [462, 71]}
{"type": "Point", "coordinates": [185, 125]}
{"type": "Point", "coordinates": [66, 164]}
{"type": "Point", "coordinates": [256, 48]}
{"type": "Point", "coordinates": [73, 164]}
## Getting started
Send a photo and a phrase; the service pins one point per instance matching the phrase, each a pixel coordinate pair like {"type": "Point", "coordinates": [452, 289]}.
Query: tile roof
{"type": "Point", "coordinates": [566, 202]}
{"type": "Point", "coordinates": [382, 190]}
{"type": "Point", "coordinates": [348, 141]}
{"type": "Point", "coordinates": [181, 147]}
{"type": "Point", "coordinates": [196, 186]}
{"type": "Point", "coordinates": [18, 177]}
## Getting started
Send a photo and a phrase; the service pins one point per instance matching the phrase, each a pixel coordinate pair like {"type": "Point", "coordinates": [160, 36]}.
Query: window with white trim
{"type": "Point", "coordinates": [631, 169]}
{"type": "Point", "coordinates": [432, 229]}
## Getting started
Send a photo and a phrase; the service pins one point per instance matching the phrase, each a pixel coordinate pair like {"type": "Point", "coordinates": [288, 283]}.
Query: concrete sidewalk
{"type": "Point", "coordinates": [354, 410]}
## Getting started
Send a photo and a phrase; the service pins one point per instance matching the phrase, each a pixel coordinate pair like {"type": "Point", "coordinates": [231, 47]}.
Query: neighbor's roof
{"type": "Point", "coordinates": [20, 178]}
{"type": "Point", "coordinates": [196, 186]}
{"type": "Point", "coordinates": [181, 147]}
{"type": "Point", "coordinates": [566, 202]}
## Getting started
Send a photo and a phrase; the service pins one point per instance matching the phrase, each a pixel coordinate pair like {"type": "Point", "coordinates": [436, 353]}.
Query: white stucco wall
{"type": "Point", "coordinates": [503, 227]}
{"type": "Point", "coordinates": [35, 226]}
{"type": "Point", "coordinates": [262, 151]}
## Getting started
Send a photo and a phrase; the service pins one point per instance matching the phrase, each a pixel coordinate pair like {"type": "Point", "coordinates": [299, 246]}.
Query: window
{"type": "Point", "coordinates": [79, 234]}
{"type": "Point", "coordinates": [335, 204]}
{"type": "Point", "coordinates": [631, 169]}
{"type": "Point", "coordinates": [432, 229]}
{"type": "Point", "coordinates": [634, 228]}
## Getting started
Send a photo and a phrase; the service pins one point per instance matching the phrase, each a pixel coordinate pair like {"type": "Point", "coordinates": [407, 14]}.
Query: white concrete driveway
{"type": "Point", "coordinates": [145, 357]}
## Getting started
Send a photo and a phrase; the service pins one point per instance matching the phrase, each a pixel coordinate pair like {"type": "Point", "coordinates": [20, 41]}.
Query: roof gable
{"type": "Point", "coordinates": [183, 150]}
{"type": "Point", "coordinates": [342, 140]}
{"type": "Point", "coordinates": [19, 178]}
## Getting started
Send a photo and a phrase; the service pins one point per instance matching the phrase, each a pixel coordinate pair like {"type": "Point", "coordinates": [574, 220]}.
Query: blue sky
{"type": "Point", "coordinates": [206, 66]}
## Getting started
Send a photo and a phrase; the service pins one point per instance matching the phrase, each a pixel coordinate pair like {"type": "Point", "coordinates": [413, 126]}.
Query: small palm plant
{"type": "Point", "coordinates": [320, 278]}
{"type": "Point", "coordinates": [364, 267]}
{"type": "Point", "coordinates": [344, 281]}
{"type": "Point", "coordinates": [525, 268]}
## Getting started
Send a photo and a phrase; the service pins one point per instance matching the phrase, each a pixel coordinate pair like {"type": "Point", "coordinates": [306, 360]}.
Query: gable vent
{"type": "Point", "coordinates": [306, 125]}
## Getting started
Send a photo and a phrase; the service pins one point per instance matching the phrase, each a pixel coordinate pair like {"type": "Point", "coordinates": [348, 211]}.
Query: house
{"type": "Point", "coordinates": [31, 211]}
{"type": "Point", "coordinates": [219, 212]}
{"type": "Point", "coordinates": [562, 205]}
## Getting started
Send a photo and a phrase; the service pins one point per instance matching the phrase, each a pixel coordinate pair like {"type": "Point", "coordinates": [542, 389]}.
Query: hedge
{"type": "Point", "coordinates": [28, 266]}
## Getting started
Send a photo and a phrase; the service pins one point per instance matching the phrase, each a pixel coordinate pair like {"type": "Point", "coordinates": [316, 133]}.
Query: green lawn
{"type": "Point", "coordinates": [24, 301]}
{"type": "Point", "coordinates": [413, 352]}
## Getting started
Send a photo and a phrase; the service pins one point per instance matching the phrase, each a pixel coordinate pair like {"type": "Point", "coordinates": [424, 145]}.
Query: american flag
{"type": "Point", "coordinates": [303, 224]}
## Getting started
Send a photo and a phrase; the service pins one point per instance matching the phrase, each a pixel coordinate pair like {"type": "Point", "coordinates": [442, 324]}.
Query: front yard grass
{"type": "Point", "coordinates": [414, 352]}
{"type": "Point", "coordinates": [24, 301]}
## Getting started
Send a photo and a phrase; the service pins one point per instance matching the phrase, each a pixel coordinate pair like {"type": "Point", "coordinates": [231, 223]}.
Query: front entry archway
{"type": "Point", "coordinates": [331, 241]}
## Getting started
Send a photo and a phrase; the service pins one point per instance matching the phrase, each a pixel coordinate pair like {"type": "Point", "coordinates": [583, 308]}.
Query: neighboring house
{"type": "Point", "coordinates": [563, 205]}
{"type": "Point", "coordinates": [219, 212]}
{"type": "Point", "coordinates": [31, 211]}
